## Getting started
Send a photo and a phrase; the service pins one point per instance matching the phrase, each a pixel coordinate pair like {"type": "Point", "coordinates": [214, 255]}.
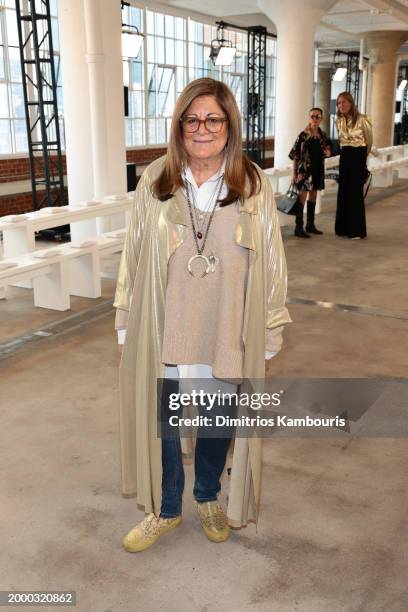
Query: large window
{"type": "Point", "coordinates": [270, 86]}
{"type": "Point", "coordinates": [175, 51]}
{"type": "Point", "coordinates": [134, 79]}
{"type": "Point", "coordinates": [166, 71]}
{"type": "Point", "coordinates": [13, 135]}
{"type": "Point", "coordinates": [13, 131]}
{"type": "Point", "coordinates": [200, 36]}
{"type": "Point", "coordinates": [235, 75]}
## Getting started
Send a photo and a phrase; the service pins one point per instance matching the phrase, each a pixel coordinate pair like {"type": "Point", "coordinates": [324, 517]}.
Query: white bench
{"type": "Point", "coordinates": [401, 167]}
{"type": "Point", "coordinates": [19, 230]}
{"type": "Point", "coordinates": [63, 271]}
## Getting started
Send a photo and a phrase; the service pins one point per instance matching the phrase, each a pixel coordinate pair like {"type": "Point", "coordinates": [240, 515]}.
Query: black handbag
{"type": "Point", "coordinates": [334, 175]}
{"type": "Point", "coordinates": [289, 203]}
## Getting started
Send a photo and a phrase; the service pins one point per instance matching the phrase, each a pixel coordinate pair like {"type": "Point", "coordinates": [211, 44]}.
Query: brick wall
{"type": "Point", "coordinates": [18, 203]}
{"type": "Point", "coordinates": [144, 156]}
{"type": "Point", "coordinates": [15, 204]}
{"type": "Point", "coordinates": [18, 169]}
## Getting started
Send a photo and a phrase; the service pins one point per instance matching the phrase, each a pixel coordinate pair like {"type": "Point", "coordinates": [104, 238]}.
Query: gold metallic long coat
{"type": "Point", "coordinates": [156, 230]}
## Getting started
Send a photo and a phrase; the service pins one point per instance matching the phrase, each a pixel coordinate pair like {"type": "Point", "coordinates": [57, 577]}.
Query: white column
{"type": "Point", "coordinates": [323, 95]}
{"type": "Point", "coordinates": [95, 59]}
{"type": "Point", "coordinates": [364, 89]}
{"type": "Point", "coordinates": [77, 110]}
{"type": "Point", "coordinates": [295, 22]}
{"type": "Point", "coordinates": [91, 65]}
{"type": "Point", "coordinates": [114, 97]}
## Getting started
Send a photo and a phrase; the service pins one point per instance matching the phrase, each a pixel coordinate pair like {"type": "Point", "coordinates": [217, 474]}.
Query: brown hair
{"type": "Point", "coordinates": [241, 176]}
{"type": "Point", "coordinates": [353, 111]}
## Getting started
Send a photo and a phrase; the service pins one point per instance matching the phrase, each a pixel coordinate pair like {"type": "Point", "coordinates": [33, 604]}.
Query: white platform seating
{"type": "Point", "coordinates": [59, 272]}
{"type": "Point", "coordinates": [85, 219]}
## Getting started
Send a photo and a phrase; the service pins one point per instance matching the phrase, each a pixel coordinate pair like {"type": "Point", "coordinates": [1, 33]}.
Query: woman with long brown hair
{"type": "Point", "coordinates": [355, 139]}
{"type": "Point", "coordinates": [200, 294]}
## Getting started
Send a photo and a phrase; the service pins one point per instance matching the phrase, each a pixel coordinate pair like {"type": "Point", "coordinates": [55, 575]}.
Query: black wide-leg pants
{"type": "Point", "coordinates": [350, 214]}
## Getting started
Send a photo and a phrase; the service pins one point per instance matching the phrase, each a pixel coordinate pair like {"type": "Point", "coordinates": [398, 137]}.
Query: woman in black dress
{"type": "Point", "coordinates": [355, 139]}
{"type": "Point", "coordinates": [308, 154]}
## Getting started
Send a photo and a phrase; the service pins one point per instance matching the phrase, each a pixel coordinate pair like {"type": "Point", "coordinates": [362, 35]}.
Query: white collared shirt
{"type": "Point", "coordinates": [204, 193]}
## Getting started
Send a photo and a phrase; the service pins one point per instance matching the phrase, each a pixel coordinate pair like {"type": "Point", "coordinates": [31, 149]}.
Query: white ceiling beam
{"type": "Point", "coordinates": [398, 10]}
{"type": "Point", "coordinates": [334, 28]}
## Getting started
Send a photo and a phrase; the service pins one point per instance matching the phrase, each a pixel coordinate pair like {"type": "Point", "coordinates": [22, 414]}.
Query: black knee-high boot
{"type": "Point", "coordinates": [310, 224]}
{"type": "Point", "coordinates": [299, 231]}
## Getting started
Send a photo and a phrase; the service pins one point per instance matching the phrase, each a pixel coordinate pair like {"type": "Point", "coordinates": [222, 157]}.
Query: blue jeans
{"type": "Point", "coordinates": [209, 463]}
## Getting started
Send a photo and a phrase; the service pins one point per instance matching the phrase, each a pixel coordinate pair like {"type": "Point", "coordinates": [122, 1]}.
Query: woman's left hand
{"type": "Point", "coordinates": [327, 152]}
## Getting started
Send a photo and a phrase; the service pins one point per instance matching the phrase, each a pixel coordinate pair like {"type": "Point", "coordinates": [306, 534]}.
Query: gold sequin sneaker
{"type": "Point", "coordinates": [213, 521]}
{"type": "Point", "coordinates": [148, 531]}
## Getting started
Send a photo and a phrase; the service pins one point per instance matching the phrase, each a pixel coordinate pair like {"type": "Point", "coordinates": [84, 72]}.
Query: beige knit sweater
{"type": "Point", "coordinates": [204, 316]}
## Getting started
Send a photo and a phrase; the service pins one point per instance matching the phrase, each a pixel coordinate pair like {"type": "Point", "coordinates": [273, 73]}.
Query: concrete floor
{"type": "Point", "coordinates": [333, 531]}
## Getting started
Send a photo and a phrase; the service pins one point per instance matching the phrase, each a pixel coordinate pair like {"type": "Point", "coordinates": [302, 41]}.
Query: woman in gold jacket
{"type": "Point", "coordinates": [355, 139]}
{"type": "Point", "coordinates": [205, 138]}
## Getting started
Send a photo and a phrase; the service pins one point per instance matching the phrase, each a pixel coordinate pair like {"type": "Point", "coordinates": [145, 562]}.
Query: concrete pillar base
{"type": "Point", "coordinates": [383, 48]}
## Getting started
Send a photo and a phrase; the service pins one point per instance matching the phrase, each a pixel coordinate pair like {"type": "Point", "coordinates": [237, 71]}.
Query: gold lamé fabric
{"type": "Point", "coordinates": [155, 230]}
{"type": "Point", "coordinates": [359, 135]}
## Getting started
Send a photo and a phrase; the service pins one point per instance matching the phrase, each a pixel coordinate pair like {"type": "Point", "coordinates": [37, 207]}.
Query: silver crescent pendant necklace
{"type": "Point", "coordinates": [208, 263]}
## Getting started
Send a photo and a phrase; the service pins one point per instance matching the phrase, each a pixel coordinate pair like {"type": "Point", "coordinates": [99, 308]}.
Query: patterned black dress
{"type": "Point", "coordinates": [309, 154]}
